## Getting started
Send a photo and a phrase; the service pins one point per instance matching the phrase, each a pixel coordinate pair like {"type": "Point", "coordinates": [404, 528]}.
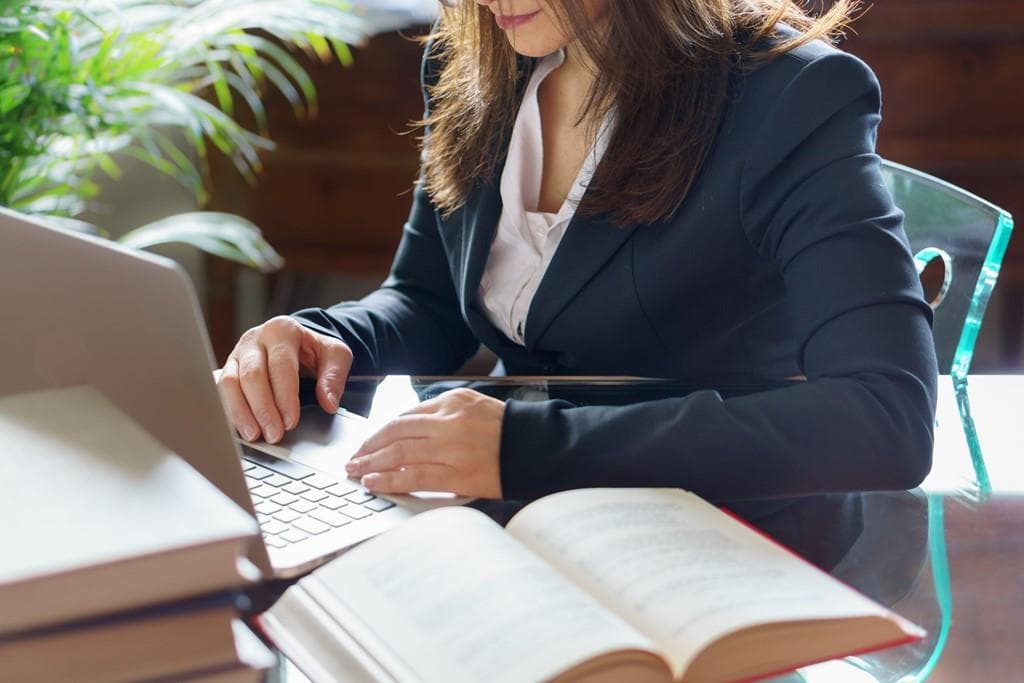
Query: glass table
{"type": "Point", "coordinates": [948, 555]}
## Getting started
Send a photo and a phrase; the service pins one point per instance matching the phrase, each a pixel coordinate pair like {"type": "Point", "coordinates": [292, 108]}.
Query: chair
{"type": "Point", "coordinates": [968, 235]}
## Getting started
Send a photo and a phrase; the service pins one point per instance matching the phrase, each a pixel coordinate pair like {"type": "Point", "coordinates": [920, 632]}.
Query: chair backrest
{"type": "Point", "coordinates": [969, 235]}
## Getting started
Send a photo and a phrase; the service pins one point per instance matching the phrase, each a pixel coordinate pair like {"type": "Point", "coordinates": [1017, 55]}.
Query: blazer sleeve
{"type": "Point", "coordinates": [812, 200]}
{"type": "Point", "coordinates": [413, 322]}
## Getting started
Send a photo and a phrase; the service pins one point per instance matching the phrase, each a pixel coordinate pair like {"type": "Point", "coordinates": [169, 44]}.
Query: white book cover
{"type": "Point", "coordinates": [99, 516]}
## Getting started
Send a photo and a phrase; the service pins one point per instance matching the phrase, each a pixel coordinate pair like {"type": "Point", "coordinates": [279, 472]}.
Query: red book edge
{"type": "Point", "coordinates": [911, 638]}
{"type": "Point", "coordinates": [874, 648]}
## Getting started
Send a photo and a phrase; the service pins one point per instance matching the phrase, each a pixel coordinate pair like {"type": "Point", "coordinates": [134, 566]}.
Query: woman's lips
{"type": "Point", "coordinates": [514, 20]}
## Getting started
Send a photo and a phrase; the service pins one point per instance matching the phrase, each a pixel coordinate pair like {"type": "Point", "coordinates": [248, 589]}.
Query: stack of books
{"type": "Point", "coordinates": [119, 562]}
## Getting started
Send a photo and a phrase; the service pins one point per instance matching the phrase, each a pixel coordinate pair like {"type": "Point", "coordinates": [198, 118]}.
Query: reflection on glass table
{"type": "Point", "coordinates": [947, 556]}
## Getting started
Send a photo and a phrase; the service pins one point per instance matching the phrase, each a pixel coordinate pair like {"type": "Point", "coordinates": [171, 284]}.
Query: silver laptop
{"type": "Point", "coordinates": [81, 310]}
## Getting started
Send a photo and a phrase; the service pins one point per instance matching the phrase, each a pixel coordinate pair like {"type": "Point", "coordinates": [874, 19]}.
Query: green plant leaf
{"type": "Point", "coordinates": [72, 224]}
{"type": "Point", "coordinates": [343, 52]}
{"type": "Point", "coordinates": [220, 84]}
{"type": "Point", "coordinates": [85, 83]}
{"type": "Point", "coordinates": [109, 166]}
{"type": "Point", "coordinates": [11, 96]}
{"type": "Point", "coordinates": [221, 234]}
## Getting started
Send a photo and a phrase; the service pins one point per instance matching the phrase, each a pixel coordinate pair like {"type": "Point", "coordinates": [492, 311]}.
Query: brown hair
{"type": "Point", "coordinates": [665, 66]}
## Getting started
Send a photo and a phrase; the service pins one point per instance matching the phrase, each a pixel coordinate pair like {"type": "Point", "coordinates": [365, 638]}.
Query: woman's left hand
{"type": "Point", "coordinates": [448, 443]}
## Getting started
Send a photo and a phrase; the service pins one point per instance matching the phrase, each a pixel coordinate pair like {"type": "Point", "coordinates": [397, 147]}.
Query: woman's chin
{"type": "Point", "coordinates": [523, 52]}
{"type": "Point", "coordinates": [533, 48]}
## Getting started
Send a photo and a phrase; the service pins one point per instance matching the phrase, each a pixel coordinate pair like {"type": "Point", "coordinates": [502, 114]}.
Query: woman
{"type": "Point", "coordinates": [666, 188]}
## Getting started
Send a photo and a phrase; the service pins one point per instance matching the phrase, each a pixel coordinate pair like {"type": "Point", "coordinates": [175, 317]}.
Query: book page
{"type": "Point", "coordinates": [450, 596]}
{"type": "Point", "coordinates": [679, 569]}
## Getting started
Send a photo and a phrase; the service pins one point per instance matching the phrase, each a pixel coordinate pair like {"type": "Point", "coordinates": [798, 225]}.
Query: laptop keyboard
{"type": "Point", "coordinates": [294, 502]}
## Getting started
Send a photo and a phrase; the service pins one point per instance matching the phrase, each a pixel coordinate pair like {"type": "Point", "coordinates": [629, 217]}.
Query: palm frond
{"type": "Point", "coordinates": [222, 234]}
{"type": "Point", "coordinates": [83, 82]}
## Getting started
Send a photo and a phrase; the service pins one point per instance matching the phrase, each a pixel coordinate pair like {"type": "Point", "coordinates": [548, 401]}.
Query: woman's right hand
{"type": "Point", "coordinates": [260, 379]}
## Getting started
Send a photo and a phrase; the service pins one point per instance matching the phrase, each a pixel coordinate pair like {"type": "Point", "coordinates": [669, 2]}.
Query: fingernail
{"type": "Point", "coordinates": [249, 433]}
{"type": "Point", "coordinates": [273, 434]}
{"type": "Point", "coordinates": [332, 399]}
{"type": "Point", "coordinates": [370, 481]}
{"type": "Point", "coordinates": [353, 465]}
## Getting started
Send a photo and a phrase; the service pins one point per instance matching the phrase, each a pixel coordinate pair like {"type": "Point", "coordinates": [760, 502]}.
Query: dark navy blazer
{"type": "Point", "coordinates": [786, 258]}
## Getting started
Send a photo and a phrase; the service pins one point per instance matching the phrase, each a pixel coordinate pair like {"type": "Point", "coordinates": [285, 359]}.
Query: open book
{"type": "Point", "coordinates": [594, 584]}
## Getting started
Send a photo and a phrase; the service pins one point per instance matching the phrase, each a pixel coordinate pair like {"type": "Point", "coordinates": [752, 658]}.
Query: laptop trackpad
{"type": "Point", "coordinates": [323, 441]}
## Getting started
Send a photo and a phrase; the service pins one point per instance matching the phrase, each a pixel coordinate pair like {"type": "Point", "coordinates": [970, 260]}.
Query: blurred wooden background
{"type": "Point", "coordinates": [952, 74]}
{"type": "Point", "coordinates": [336, 191]}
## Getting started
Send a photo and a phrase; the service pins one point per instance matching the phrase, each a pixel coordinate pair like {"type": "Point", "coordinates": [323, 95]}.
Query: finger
{"type": "Point", "coordinates": [333, 362]}
{"type": "Point", "coordinates": [234, 401]}
{"type": "Point", "coordinates": [406, 426]}
{"type": "Point", "coordinates": [415, 451]}
{"type": "Point", "coordinates": [283, 370]}
{"type": "Point", "coordinates": [255, 382]}
{"type": "Point", "coordinates": [415, 478]}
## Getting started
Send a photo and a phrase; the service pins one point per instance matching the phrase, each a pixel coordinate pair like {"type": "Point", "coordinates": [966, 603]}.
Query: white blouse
{"type": "Point", "coordinates": [526, 239]}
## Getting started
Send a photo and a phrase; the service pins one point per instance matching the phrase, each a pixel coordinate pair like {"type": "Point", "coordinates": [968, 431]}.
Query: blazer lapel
{"type": "Point", "coordinates": [479, 216]}
{"type": "Point", "coordinates": [587, 245]}
{"type": "Point", "coordinates": [479, 223]}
